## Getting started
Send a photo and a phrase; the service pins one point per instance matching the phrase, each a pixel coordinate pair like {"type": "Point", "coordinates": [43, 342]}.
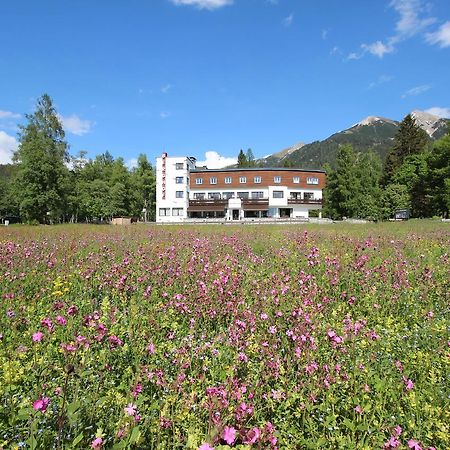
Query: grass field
{"type": "Point", "coordinates": [200, 337]}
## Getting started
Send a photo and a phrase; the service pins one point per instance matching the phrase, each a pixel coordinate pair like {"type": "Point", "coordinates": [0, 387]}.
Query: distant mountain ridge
{"type": "Point", "coordinates": [373, 132]}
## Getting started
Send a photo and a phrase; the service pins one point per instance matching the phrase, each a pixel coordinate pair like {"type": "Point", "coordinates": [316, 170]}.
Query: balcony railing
{"type": "Point", "coordinates": [304, 201]}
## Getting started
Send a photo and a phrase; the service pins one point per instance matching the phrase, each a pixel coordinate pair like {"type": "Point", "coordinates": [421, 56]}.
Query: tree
{"type": "Point", "coordinates": [409, 140]}
{"type": "Point", "coordinates": [242, 159]}
{"type": "Point", "coordinates": [368, 192]}
{"type": "Point", "coordinates": [439, 176]}
{"type": "Point", "coordinates": [41, 175]}
{"type": "Point", "coordinates": [143, 180]}
{"type": "Point", "coordinates": [250, 158]}
{"type": "Point", "coordinates": [395, 197]}
{"type": "Point", "coordinates": [341, 189]}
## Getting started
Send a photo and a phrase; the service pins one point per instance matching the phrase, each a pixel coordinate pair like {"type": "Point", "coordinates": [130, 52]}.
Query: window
{"type": "Point", "coordinates": [177, 211]}
{"type": "Point", "coordinates": [164, 212]}
{"type": "Point", "coordinates": [277, 194]}
{"type": "Point", "coordinates": [277, 179]}
{"type": "Point", "coordinates": [296, 180]}
{"type": "Point", "coordinates": [308, 195]}
{"type": "Point", "coordinates": [199, 196]}
{"type": "Point", "coordinates": [242, 195]}
{"type": "Point", "coordinates": [213, 180]}
{"type": "Point", "coordinates": [199, 181]}
{"type": "Point", "coordinates": [179, 180]}
{"type": "Point", "coordinates": [242, 180]}
{"type": "Point", "coordinates": [214, 195]}
{"type": "Point", "coordinates": [258, 194]}
{"type": "Point", "coordinates": [296, 195]}
{"type": "Point", "coordinates": [179, 166]}
{"type": "Point", "coordinates": [312, 180]}
{"type": "Point", "coordinates": [227, 195]}
{"type": "Point", "coordinates": [179, 194]}
{"type": "Point", "coordinates": [228, 180]}
{"type": "Point", "coordinates": [257, 180]}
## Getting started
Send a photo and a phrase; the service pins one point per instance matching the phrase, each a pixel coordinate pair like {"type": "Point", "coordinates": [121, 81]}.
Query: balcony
{"type": "Point", "coordinates": [255, 204]}
{"type": "Point", "coordinates": [207, 205]}
{"type": "Point", "coordinates": [304, 201]}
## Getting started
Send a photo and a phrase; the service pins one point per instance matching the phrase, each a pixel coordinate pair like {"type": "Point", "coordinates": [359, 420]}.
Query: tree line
{"type": "Point", "coordinates": [415, 176]}
{"type": "Point", "coordinates": [46, 185]}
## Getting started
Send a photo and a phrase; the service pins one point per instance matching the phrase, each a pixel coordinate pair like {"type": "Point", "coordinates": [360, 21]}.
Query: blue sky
{"type": "Point", "coordinates": [196, 76]}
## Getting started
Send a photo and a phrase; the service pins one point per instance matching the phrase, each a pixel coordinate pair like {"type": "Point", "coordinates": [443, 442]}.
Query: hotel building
{"type": "Point", "coordinates": [185, 191]}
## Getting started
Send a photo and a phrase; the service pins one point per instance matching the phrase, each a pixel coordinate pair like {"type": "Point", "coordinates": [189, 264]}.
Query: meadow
{"type": "Point", "coordinates": [225, 337]}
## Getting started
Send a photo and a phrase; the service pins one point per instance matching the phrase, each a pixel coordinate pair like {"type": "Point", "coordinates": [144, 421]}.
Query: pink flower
{"type": "Point", "coordinates": [414, 445]}
{"type": "Point", "coordinates": [229, 435]}
{"type": "Point", "coordinates": [252, 436]}
{"type": "Point", "coordinates": [205, 446]}
{"type": "Point", "coordinates": [41, 404]}
{"type": "Point", "coordinates": [151, 348]}
{"type": "Point", "coordinates": [408, 383]}
{"type": "Point", "coordinates": [61, 320]}
{"type": "Point", "coordinates": [358, 409]}
{"type": "Point", "coordinates": [97, 443]}
{"type": "Point", "coordinates": [398, 430]}
{"type": "Point", "coordinates": [393, 442]}
{"type": "Point", "coordinates": [130, 409]}
{"type": "Point", "coordinates": [38, 336]}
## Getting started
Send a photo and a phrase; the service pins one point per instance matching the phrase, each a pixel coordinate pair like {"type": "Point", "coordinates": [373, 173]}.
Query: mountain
{"type": "Point", "coordinates": [373, 132]}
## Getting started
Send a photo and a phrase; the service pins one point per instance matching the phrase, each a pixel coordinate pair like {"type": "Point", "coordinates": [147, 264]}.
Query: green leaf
{"type": "Point", "coordinates": [77, 440]}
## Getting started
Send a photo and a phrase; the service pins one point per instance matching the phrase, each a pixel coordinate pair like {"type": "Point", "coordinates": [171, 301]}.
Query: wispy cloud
{"type": "Point", "coordinates": [164, 114]}
{"type": "Point", "coordinates": [412, 20]}
{"type": "Point", "coordinates": [287, 21]}
{"type": "Point", "coordinates": [324, 34]}
{"type": "Point", "coordinates": [381, 80]}
{"type": "Point", "coordinates": [440, 37]}
{"type": "Point", "coordinates": [215, 161]}
{"type": "Point", "coordinates": [73, 124]}
{"type": "Point", "coordinates": [438, 111]}
{"type": "Point", "coordinates": [166, 88]}
{"type": "Point", "coordinates": [132, 163]}
{"type": "Point", "coordinates": [8, 145]}
{"type": "Point", "coordinates": [204, 4]}
{"type": "Point", "coordinates": [417, 90]}
{"type": "Point", "coordinates": [9, 115]}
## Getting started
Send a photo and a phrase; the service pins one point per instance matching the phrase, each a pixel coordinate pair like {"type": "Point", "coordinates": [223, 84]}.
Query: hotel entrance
{"type": "Point", "coordinates": [235, 214]}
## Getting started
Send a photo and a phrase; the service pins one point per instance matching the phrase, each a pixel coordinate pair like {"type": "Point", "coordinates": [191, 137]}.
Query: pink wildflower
{"type": "Point", "coordinates": [393, 442]}
{"type": "Point", "coordinates": [252, 436]}
{"type": "Point", "coordinates": [151, 348]}
{"type": "Point", "coordinates": [41, 404]}
{"type": "Point", "coordinates": [205, 446]}
{"type": "Point", "coordinates": [130, 409]}
{"type": "Point", "coordinates": [38, 336]}
{"type": "Point", "coordinates": [358, 409]}
{"type": "Point", "coordinates": [229, 435]}
{"type": "Point", "coordinates": [61, 320]}
{"type": "Point", "coordinates": [414, 445]}
{"type": "Point", "coordinates": [97, 443]}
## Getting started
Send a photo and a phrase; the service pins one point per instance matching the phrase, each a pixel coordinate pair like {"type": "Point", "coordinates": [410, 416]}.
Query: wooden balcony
{"type": "Point", "coordinates": [304, 201]}
{"type": "Point", "coordinates": [255, 204]}
{"type": "Point", "coordinates": [207, 205]}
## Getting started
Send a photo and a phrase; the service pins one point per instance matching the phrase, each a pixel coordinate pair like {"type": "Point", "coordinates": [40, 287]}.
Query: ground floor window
{"type": "Point", "coordinates": [255, 214]}
{"type": "Point", "coordinates": [164, 212]}
{"type": "Point", "coordinates": [206, 214]}
{"type": "Point", "coordinates": [177, 211]}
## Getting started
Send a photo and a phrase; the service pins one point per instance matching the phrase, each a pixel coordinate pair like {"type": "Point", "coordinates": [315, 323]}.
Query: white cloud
{"type": "Point", "coordinates": [381, 80]}
{"type": "Point", "coordinates": [9, 115]}
{"type": "Point", "coordinates": [411, 21]}
{"type": "Point", "coordinates": [215, 161]}
{"type": "Point", "coordinates": [438, 111]}
{"type": "Point", "coordinates": [73, 124]}
{"type": "Point", "coordinates": [324, 34]}
{"type": "Point", "coordinates": [204, 4]}
{"type": "Point", "coordinates": [164, 114]}
{"type": "Point", "coordinates": [287, 21]}
{"type": "Point", "coordinates": [8, 145]}
{"type": "Point", "coordinates": [166, 88]}
{"type": "Point", "coordinates": [417, 90]}
{"type": "Point", "coordinates": [441, 36]}
{"type": "Point", "coordinates": [378, 48]}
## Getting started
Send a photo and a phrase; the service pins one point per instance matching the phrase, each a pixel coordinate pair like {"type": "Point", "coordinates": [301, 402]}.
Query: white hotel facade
{"type": "Point", "coordinates": [185, 191]}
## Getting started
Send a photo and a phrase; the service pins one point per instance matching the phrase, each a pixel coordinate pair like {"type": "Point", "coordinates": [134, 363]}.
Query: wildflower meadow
{"type": "Point", "coordinates": [225, 337]}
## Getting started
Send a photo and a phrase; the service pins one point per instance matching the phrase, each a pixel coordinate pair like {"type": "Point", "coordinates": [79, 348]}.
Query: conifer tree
{"type": "Point", "coordinates": [41, 181]}
{"type": "Point", "coordinates": [242, 159]}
